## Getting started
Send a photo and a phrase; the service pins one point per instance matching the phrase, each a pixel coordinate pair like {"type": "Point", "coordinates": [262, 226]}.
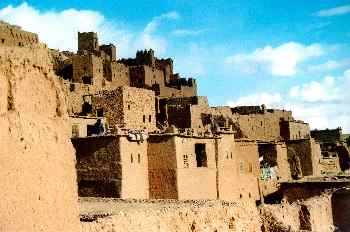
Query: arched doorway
{"type": "Point", "coordinates": [341, 209]}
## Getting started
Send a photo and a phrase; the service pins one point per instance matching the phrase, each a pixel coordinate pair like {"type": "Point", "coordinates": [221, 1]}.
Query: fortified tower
{"type": "Point", "coordinates": [88, 41]}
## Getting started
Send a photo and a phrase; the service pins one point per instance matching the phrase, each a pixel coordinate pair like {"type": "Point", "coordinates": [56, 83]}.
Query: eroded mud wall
{"type": "Point", "coordinates": [37, 162]}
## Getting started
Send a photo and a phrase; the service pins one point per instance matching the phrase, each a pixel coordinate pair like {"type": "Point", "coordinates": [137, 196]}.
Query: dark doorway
{"type": "Point", "coordinates": [201, 155]}
{"type": "Point", "coordinates": [87, 80]}
{"type": "Point", "coordinates": [304, 218]}
{"type": "Point", "coordinates": [341, 210]}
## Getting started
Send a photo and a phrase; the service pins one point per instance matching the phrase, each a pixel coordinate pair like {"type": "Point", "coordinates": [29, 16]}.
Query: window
{"type": "Point", "coordinates": [2, 40]}
{"type": "Point", "coordinates": [150, 118]}
{"type": "Point", "coordinates": [186, 164]}
{"type": "Point", "coordinates": [99, 112]}
{"type": "Point", "coordinates": [231, 155]}
{"type": "Point", "coordinates": [128, 107]}
{"type": "Point", "coordinates": [87, 80]}
{"type": "Point", "coordinates": [131, 158]}
{"type": "Point", "coordinates": [71, 87]}
{"type": "Point", "coordinates": [241, 167]}
{"type": "Point", "coordinates": [261, 123]}
{"type": "Point", "coordinates": [75, 131]}
{"type": "Point", "coordinates": [250, 168]}
{"type": "Point", "coordinates": [144, 118]}
{"type": "Point", "coordinates": [201, 156]}
{"type": "Point", "coordinates": [138, 158]}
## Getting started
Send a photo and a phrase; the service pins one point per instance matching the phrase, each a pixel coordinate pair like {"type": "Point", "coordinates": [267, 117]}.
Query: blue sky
{"type": "Point", "coordinates": [286, 54]}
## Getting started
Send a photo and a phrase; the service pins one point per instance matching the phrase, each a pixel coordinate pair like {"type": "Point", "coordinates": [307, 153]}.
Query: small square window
{"type": "Point", "coordinates": [128, 107]}
{"type": "Point", "coordinates": [131, 158]}
{"type": "Point", "coordinates": [144, 118]}
{"type": "Point", "coordinates": [241, 167]}
{"type": "Point", "coordinates": [139, 158]}
{"type": "Point", "coordinates": [150, 118]}
{"type": "Point", "coordinates": [2, 40]}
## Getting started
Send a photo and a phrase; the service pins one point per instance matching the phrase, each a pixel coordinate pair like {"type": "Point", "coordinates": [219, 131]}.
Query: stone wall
{"type": "Point", "coordinates": [11, 35]}
{"type": "Point", "coordinates": [142, 113]}
{"type": "Point", "coordinates": [110, 166]}
{"type": "Point", "coordinates": [99, 166]}
{"type": "Point", "coordinates": [127, 107]}
{"type": "Point", "coordinates": [37, 160]}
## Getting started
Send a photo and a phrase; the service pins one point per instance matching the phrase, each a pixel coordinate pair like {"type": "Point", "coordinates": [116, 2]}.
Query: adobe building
{"type": "Point", "coordinates": [14, 36]}
{"type": "Point", "coordinates": [181, 167]}
{"type": "Point", "coordinates": [126, 108]}
{"type": "Point", "coordinates": [112, 166]}
{"type": "Point", "coordinates": [84, 126]}
{"type": "Point", "coordinates": [239, 174]}
{"type": "Point", "coordinates": [191, 167]}
{"type": "Point", "coordinates": [335, 154]}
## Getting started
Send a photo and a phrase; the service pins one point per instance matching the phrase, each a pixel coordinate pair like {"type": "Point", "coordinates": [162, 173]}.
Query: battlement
{"type": "Point", "coordinates": [110, 50]}
{"type": "Point", "coordinates": [245, 110]}
{"type": "Point", "coordinates": [327, 135]}
{"type": "Point", "coordinates": [88, 41]}
{"type": "Point", "coordinates": [12, 35]}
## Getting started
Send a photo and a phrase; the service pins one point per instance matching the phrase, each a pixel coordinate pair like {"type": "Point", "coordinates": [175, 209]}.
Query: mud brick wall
{"type": "Point", "coordinates": [162, 167]}
{"type": "Point", "coordinates": [283, 171]}
{"type": "Point", "coordinates": [88, 41]}
{"type": "Point", "coordinates": [309, 154]}
{"type": "Point", "coordinates": [195, 182]}
{"type": "Point", "coordinates": [247, 170]}
{"type": "Point", "coordinates": [37, 159]}
{"type": "Point", "coordinates": [264, 127]}
{"type": "Point", "coordinates": [14, 36]}
{"type": "Point", "coordinates": [294, 130]}
{"type": "Point", "coordinates": [227, 161]}
{"type": "Point", "coordinates": [134, 159]}
{"type": "Point", "coordinates": [119, 75]}
{"type": "Point", "coordinates": [88, 65]}
{"type": "Point", "coordinates": [98, 162]}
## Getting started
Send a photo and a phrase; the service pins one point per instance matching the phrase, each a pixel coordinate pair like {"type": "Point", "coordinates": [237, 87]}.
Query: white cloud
{"type": "Point", "coordinates": [58, 29]}
{"type": "Point", "coordinates": [323, 104]}
{"type": "Point", "coordinates": [269, 99]}
{"type": "Point", "coordinates": [148, 39]}
{"type": "Point", "coordinates": [156, 21]}
{"type": "Point", "coordinates": [329, 65]}
{"type": "Point", "coordinates": [186, 32]}
{"type": "Point", "coordinates": [279, 61]}
{"type": "Point", "coordinates": [334, 11]}
{"type": "Point", "coordinates": [316, 91]}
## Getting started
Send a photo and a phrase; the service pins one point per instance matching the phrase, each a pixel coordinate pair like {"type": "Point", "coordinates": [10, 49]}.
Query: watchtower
{"type": "Point", "coordinates": [88, 41]}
